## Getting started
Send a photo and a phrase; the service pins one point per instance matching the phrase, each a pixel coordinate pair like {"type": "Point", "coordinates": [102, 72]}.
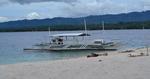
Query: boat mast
{"type": "Point", "coordinates": [85, 30]}
{"type": "Point", "coordinates": [85, 27]}
{"type": "Point", "coordinates": [103, 29]}
{"type": "Point", "coordinates": [103, 26]}
{"type": "Point", "coordinates": [49, 31]}
{"type": "Point", "coordinates": [143, 27]}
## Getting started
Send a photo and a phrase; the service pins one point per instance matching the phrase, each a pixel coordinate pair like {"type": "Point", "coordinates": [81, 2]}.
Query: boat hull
{"type": "Point", "coordinates": [69, 49]}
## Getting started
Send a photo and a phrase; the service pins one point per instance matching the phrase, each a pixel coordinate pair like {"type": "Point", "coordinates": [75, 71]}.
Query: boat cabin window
{"type": "Point", "coordinates": [60, 41]}
{"type": "Point", "coordinates": [57, 41]}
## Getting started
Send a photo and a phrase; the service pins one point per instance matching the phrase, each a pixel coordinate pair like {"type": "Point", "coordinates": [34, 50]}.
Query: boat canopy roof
{"type": "Point", "coordinates": [70, 35]}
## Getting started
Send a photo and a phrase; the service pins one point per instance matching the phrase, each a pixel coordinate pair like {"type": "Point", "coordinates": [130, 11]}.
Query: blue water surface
{"type": "Point", "coordinates": [12, 44]}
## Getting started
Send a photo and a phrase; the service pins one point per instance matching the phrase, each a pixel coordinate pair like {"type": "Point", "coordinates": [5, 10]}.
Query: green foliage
{"type": "Point", "coordinates": [108, 26]}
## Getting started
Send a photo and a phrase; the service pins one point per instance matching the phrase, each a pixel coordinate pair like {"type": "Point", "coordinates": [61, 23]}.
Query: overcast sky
{"type": "Point", "coordinates": [39, 9]}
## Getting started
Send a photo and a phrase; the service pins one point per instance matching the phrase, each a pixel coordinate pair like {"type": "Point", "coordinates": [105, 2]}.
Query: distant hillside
{"type": "Point", "coordinates": [97, 19]}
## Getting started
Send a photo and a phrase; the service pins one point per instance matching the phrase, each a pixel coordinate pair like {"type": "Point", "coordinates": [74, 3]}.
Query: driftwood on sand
{"type": "Point", "coordinates": [137, 55]}
{"type": "Point", "coordinates": [92, 55]}
{"type": "Point", "coordinates": [96, 55]}
{"type": "Point", "coordinates": [127, 51]}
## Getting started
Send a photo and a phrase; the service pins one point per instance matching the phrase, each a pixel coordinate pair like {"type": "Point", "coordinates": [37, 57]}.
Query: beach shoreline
{"type": "Point", "coordinates": [117, 65]}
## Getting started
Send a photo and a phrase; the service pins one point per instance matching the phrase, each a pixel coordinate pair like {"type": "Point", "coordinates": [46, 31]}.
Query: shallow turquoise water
{"type": "Point", "coordinates": [12, 44]}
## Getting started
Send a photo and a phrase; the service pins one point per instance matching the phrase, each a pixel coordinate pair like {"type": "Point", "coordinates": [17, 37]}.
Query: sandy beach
{"type": "Point", "coordinates": [117, 65]}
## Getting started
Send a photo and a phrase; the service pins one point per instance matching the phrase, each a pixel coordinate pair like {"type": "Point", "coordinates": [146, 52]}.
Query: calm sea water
{"type": "Point", "coordinates": [12, 44]}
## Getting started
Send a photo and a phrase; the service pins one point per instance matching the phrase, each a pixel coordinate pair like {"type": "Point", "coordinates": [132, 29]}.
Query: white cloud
{"type": "Point", "coordinates": [94, 7]}
{"type": "Point", "coordinates": [3, 2]}
{"type": "Point", "coordinates": [67, 8]}
{"type": "Point", "coordinates": [145, 4]}
{"type": "Point", "coordinates": [3, 19]}
{"type": "Point", "coordinates": [38, 1]}
{"type": "Point", "coordinates": [101, 7]}
{"type": "Point", "coordinates": [33, 15]}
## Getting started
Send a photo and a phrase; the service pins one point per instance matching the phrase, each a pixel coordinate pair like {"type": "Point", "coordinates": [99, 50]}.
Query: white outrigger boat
{"type": "Point", "coordinates": [74, 41]}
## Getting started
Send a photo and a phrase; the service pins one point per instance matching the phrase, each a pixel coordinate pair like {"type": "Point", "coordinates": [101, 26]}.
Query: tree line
{"type": "Point", "coordinates": [108, 26]}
